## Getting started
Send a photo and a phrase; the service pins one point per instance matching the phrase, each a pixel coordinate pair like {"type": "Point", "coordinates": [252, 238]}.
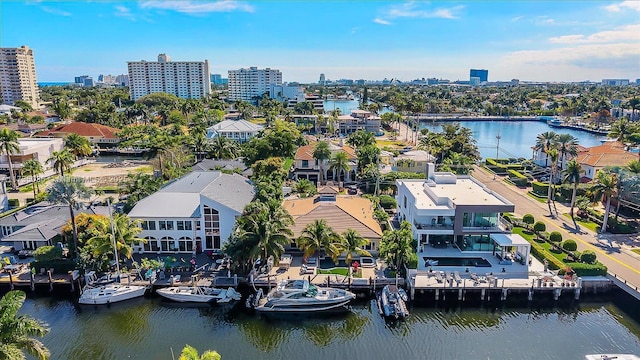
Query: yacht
{"type": "Point", "coordinates": [100, 292]}
{"type": "Point", "coordinates": [299, 296]}
{"type": "Point", "coordinates": [199, 294]}
{"type": "Point", "coordinates": [611, 357]}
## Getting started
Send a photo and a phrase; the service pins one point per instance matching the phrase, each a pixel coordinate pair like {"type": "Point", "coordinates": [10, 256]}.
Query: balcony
{"type": "Point", "coordinates": [432, 226]}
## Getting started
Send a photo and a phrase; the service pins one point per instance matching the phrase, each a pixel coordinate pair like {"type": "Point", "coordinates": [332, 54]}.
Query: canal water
{"type": "Point", "coordinates": [516, 137]}
{"type": "Point", "coordinates": [149, 328]}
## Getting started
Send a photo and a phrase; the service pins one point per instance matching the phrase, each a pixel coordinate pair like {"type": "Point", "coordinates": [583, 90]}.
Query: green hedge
{"type": "Point", "coordinates": [412, 261]}
{"type": "Point", "coordinates": [518, 178]}
{"type": "Point", "coordinates": [13, 203]}
{"type": "Point", "coordinates": [47, 253]}
{"type": "Point", "coordinates": [540, 253]}
{"type": "Point", "coordinates": [59, 266]}
{"type": "Point", "coordinates": [539, 188]}
{"type": "Point", "coordinates": [582, 269]}
{"type": "Point", "coordinates": [388, 202]}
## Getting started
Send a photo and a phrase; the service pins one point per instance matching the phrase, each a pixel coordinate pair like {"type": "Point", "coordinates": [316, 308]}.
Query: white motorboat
{"type": "Point", "coordinates": [391, 302]}
{"type": "Point", "coordinates": [299, 296]}
{"type": "Point", "coordinates": [611, 357]}
{"type": "Point", "coordinates": [199, 294]}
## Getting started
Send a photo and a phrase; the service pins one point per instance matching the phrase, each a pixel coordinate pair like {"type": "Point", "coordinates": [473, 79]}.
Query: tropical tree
{"type": "Point", "coordinates": [352, 242]}
{"type": "Point", "coordinates": [266, 225]}
{"type": "Point", "coordinates": [544, 142]}
{"type": "Point", "coordinates": [361, 138]}
{"type": "Point", "coordinates": [69, 191]}
{"type": "Point", "coordinates": [191, 353]}
{"type": "Point", "coordinates": [223, 148]}
{"type": "Point", "coordinates": [572, 175]}
{"type": "Point", "coordinates": [316, 236]}
{"type": "Point", "coordinates": [32, 168]}
{"type": "Point", "coordinates": [125, 231]}
{"type": "Point", "coordinates": [16, 330]}
{"type": "Point", "coordinates": [9, 145]}
{"type": "Point", "coordinates": [397, 245]}
{"type": "Point", "coordinates": [305, 187]}
{"type": "Point", "coordinates": [634, 167]}
{"type": "Point", "coordinates": [567, 146]}
{"type": "Point", "coordinates": [77, 145]}
{"type": "Point", "coordinates": [61, 108]}
{"type": "Point", "coordinates": [321, 152]}
{"type": "Point", "coordinates": [553, 155]}
{"type": "Point", "coordinates": [339, 163]}
{"type": "Point", "coordinates": [604, 189]}
{"type": "Point", "coordinates": [62, 161]}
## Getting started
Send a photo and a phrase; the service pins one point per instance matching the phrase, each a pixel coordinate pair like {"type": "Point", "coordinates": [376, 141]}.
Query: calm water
{"type": "Point", "coordinates": [150, 328]}
{"type": "Point", "coordinates": [517, 137]}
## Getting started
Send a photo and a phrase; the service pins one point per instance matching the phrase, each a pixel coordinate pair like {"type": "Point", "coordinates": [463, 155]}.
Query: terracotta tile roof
{"type": "Point", "coordinates": [347, 212]}
{"type": "Point", "coordinates": [306, 152]}
{"type": "Point", "coordinates": [83, 129]}
{"type": "Point", "coordinates": [607, 159]}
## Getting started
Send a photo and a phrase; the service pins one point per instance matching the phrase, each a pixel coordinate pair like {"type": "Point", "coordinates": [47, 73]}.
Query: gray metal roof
{"type": "Point", "coordinates": [236, 126]}
{"type": "Point", "coordinates": [47, 211]}
{"type": "Point", "coordinates": [181, 198]}
{"type": "Point", "coordinates": [40, 231]}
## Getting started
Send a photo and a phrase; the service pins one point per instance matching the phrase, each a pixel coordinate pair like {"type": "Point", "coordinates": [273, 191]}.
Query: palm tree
{"type": "Point", "coordinates": [553, 155]}
{"type": "Point", "coordinates": [224, 148]}
{"type": "Point", "coordinates": [191, 353]}
{"type": "Point", "coordinates": [321, 153]}
{"type": "Point", "coordinates": [125, 230]}
{"type": "Point", "coordinates": [572, 175]}
{"type": "Point", "coordinates": [9, 145]}
{"type": "Point", "coordinates": [201, 146]}
{"type": "Point", "coordinates": [544, 142]}
{"type": "Point", "coordinates": [352, 242]}
{"type": "Point", "coordinates": [397, 245]}
{"type": "Point", "coordinates": [621, 129]}
{"type": "Point", "coordinates": [604, 189]}
{"type": "Point", "coordinates": [77, 145]}
{"type": "Point", "coordinates": [69, 191]}
{"type": "Point", "coordinates": [339, 163]}
{"type": "Point", "coordinates": [62, 160]}
{"type": "Point", "coordinates": [267, 225]}
{"type": "Point", "coordinates": [16, 330]}
{"type": "Point", "coordinates": [33, 168]}
{"type": "Point", "coordinates": [567, 145]}
{"type": "Point", "coordinates": [318, 235]}
{"type": "Point", "coordinates": [634, 166]}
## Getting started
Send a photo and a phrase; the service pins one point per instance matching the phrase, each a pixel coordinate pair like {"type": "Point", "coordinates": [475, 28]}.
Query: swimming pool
{"type": "Point", "coordinates": [456, 261]}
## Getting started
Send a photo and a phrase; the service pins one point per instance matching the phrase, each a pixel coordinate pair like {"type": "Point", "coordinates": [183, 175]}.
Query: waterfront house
{"type": "Point", "coordinates": [238, 130]}
{"type": "Point", "coordinates": [32, 148]}
{"type": "Point", "coordinates": [610, 153]}
{"type": "Point", "coordinates": [359, 120]}
{"type": "Point", "coordinates": [101, 136]}
{"type": "Point", "coordinates": [341, 212]}
{"type": "Point", "coordinates": [226, 166]}
{"type": "Point", "coordinates": [307, 167]}
{"type": "Point", "coordinates": [414, 161]}
{"type": "Point", "coordinates": [448, 210]}
{"type": "Point", "coordinates": [192, 214]}
{"type": "Point", "coordinates": [40, 224]}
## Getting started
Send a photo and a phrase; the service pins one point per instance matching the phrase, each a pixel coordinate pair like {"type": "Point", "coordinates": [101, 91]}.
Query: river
{"type": "Point", "coordinates": [516, 137]}
{"type": "Point", "coordinates": [149, 328]}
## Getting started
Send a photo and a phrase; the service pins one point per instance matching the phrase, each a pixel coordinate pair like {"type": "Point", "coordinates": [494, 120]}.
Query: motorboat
{"type": "Point", "coordinates": [107, 291]}
{"type": "Point", "coordinates": [299, 296]}
{"type": "Point", "coordinates": [611, 357]}
{"type": "Point", "coordinates": [199, 294]}
{"type": "Point", "coordinates": [391, 302]}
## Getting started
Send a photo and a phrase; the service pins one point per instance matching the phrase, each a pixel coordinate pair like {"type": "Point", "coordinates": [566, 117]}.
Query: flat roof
{"type": "Point", "coordinates": [465, 191]}
{"type": "Point", "coordinates": [509, 240]}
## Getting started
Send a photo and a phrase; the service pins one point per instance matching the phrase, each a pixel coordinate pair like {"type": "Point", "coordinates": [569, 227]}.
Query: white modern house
{"type": "Point", "coordinates": [39, 149]}
{"type": "Point", "coordinates": [359, 120]}
{"type": "Point", "coordinates": [192, 214]}
{"type": "Point", "coordinates": [238, 130]}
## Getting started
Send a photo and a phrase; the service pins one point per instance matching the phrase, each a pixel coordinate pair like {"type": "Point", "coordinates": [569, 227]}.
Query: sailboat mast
{"type": "Point", "coordinates": [113, 238]}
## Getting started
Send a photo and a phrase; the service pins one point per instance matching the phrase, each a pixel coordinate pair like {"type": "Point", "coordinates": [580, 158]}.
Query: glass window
{"type": "Point", "coordinates": [180, 225]}
{"type": "Point", "coordinates": [187, 225]}
{"type": "Point", "coordinates": [169, 225]}
{"type": "Point", "coordinates": [151, 224]}
{"type": "Point", "coordinates": [163, 225]}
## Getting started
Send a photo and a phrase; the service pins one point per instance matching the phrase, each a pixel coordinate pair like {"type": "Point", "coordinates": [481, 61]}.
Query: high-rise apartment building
{"type": "Point", "coordinates": [18, 76]}
{"type": "Point", "coordinates": [185, 79]}
{"type": "Point", "coordinates": [323, 80]}
{"type": "Point", "coordinates": [250, 84]}
{"type": "Point", "coordinates": [481, 74]}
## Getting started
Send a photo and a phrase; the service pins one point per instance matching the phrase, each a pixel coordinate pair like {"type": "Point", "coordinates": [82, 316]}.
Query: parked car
{"type": "Point", "coordinates": [352, 190]}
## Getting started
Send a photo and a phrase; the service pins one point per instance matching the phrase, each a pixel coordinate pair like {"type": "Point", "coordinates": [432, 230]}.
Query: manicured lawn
{"type": "Point", "coordinates": [523, 232]}
{"type": "Point", "coordinates": [334, 271]}
{"type": "Point", "coordinates": [392, 143]}
{"type": "Point", "coordinates": [588, 224]}
{"type": "Point", "coordinates": [545, 245]}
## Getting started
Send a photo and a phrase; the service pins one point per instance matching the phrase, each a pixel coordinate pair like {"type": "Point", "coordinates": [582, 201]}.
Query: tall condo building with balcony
{"type": "Point", "coordinates": [185, 79]}
{"type": "Point", "coordinates": [250, 84]}
{"type": "Point", "coordinates": [18, 76]}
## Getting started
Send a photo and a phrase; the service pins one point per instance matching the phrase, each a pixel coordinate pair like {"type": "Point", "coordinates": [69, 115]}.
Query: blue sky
{"type": "Point", "coordinates": [536, 40]}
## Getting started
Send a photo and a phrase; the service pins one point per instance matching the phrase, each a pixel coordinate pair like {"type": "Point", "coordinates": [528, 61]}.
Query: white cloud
{"type": "Point", "coordinates": [633, 5]}
{"type": "Point", "coordinates": [625, 33]}
{"type": "Point", "coordinates": [55, 11]}
{"type": "Point", "coordinates": [517, 18]}
{"type": "Point", "coordinates": [411, 10]}
{"type": "Point", "coordinates": [381, 21]}
{"type": "Point", "coordinates": [197, 7]}
{"type": "Point", "coordinates": [124, 12]}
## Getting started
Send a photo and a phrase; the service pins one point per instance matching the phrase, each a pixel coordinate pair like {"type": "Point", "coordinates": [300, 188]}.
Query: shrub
{"type": "Point", "coordinates": [588, 257]}
{"type": "Point", "coordinates": [570, 245]}
{"type": "Point", "coordinates": [47, 253]}
{"type": "Point", "coordinates": [540, 188]}
{"type": "Point", "coordinates": [518, 178]}
{"type": "Point", "coordinates": [555, 237]}
{"type": "Point", "coordinates": [387, 202]}
{"type": "Point", "coordinates": [582, 269]}
{"type": "Point", "coordinates": [528, 219]}
{"type": "Point", "coordinates": [412, 261]}
{"type": "Point", "coordinates": [539, 226]}
{"type": "Point", "coordinates": [14, 203]}
{"type": "Point", "coordinates": [58, 266]}
{"type": "Point", "coordinates": [540, 253]}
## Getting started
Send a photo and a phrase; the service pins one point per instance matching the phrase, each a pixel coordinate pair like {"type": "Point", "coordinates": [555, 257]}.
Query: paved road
{"type": "Point", "coordinates": [612, 250]}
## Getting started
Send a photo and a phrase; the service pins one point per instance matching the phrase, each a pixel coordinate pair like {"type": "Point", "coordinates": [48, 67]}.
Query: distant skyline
{"type": "Point", "coordinates": [530, 41]}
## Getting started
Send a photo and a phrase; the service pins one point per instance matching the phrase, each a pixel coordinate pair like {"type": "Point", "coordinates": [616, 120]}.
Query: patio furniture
{"type": "Point", "coordinates": [456, 277]}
